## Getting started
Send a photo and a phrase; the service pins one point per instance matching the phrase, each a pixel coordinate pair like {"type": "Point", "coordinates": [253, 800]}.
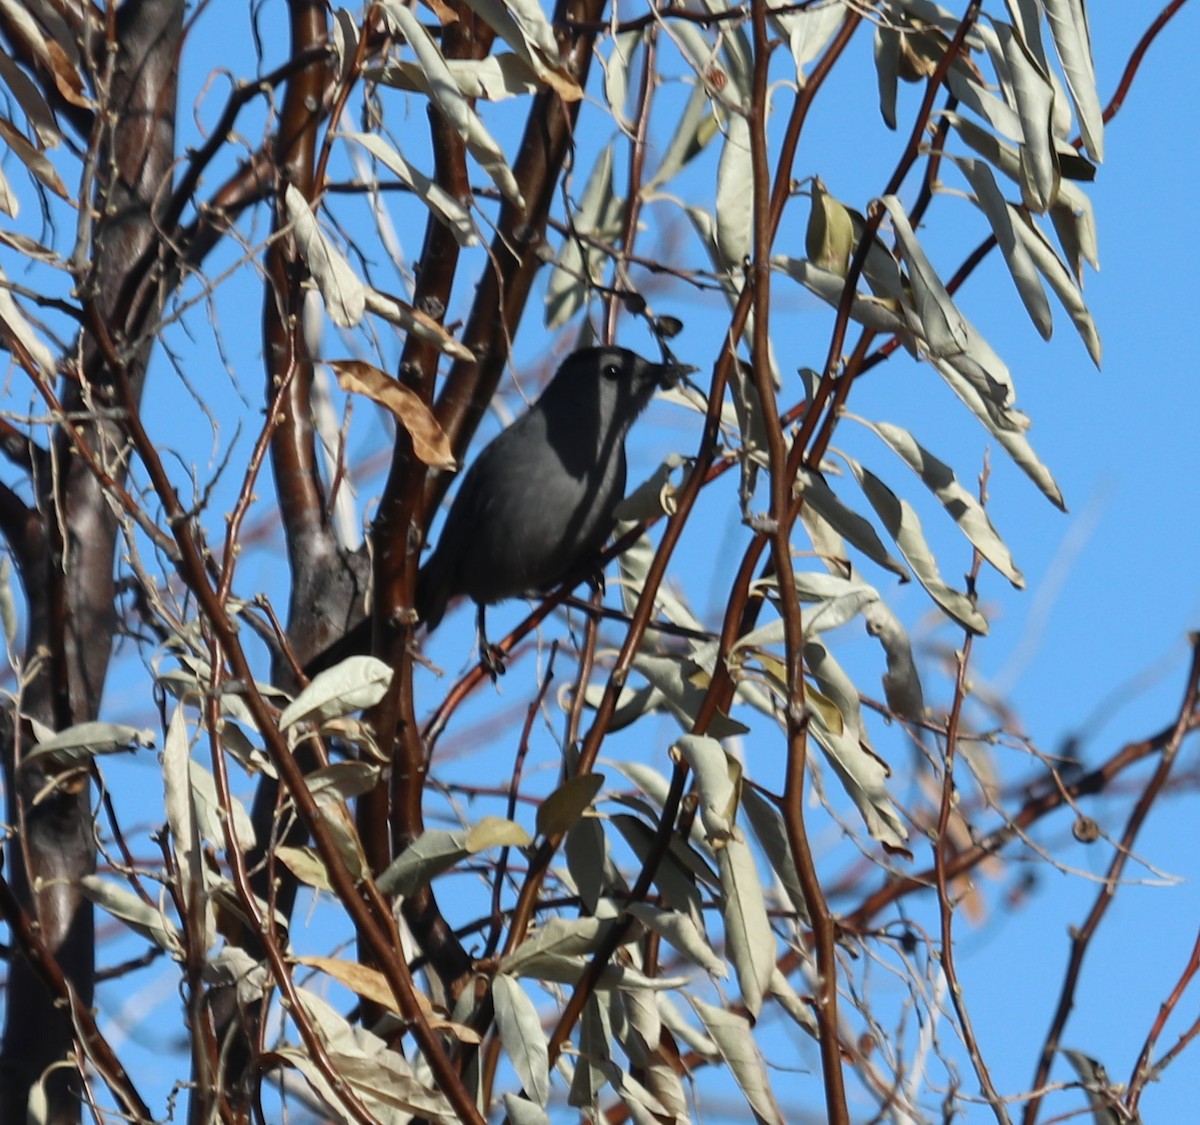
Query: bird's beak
{"type": "Point", "coordinates": [666, 375]}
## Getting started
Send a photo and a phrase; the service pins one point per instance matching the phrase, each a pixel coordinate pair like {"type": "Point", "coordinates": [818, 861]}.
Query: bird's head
{"type": "Point", "coordinates": [612, 385]}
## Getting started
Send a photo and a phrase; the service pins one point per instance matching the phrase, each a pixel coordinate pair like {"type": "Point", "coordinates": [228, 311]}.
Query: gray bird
{"type": "Point", "coordinates": [537, 504]}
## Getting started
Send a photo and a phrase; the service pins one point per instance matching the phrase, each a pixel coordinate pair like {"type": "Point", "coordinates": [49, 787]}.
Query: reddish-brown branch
{"type": "Point", "coordinates": [1082, 936]}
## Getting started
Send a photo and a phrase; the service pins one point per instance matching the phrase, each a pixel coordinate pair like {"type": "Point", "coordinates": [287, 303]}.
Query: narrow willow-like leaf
{"type": "Point", "coordinates": [521, 1111]}
{"type": "Point", "coordinates": [766, 822]}
{"type": "Point", "coordinates": [450, 101]}
{"type": "Point", "coordinates": [735, 200]}
{"type": "Point", "coordinates": [37, 164]}
{"type": "Point", "coordinates": [901, 682]}
{"type": "Point", "coordinates": [341, 289]}
{"type": "Point", "coordinates": [1035, 106]}
{"type": "Point", "coordinates": [849, 524]}
{"type": "Point", "coordinates": [673, 676]}
{"type": "Point", "coordinates": [139, 915]}
{"type": "Point", "coordinates": [862, 774]}
{"type": "Point", "coordinates": [595, 1044]}
{"type": "Point", "coordinates": [963, 507]}
{"type": "Point", "coordinates": [1072, 40]}
{"type": "Point", "coordinates": [807, 30]}
{"type": "Point", "coordinates": [681, 932]}
{"type": "Point", "coordinates": [731, 1033]}
{"type": "Point", "coordinates": [1008, 427]}
{"type": "Point", "coordinates": [879, 315]}
{"type": "Point", "coordinates": [749, 941]}
{"type": "Point", "coordinates": [905, 528]}
{"type": "Point", "coordinates": [434, 851]}
{"type": "Point", "coordinates": [495, 79]}
{"type": "Point", "coordinates": [522, 1036]}
{"type": "Point", "coordinates": [689, 138]}
{"type": "Point", "coordinates": [625, 45]}
{"type": "Point", "coordinates": [1055, 272]}
{"type": "Point", "coordinates": [940, 323]}
{"type": "Point", "coordinates": [887, 70]}
{"type": "Point", "coordinates": [1003, 218]}
{"type": "Point", "coordinates": [81, 742]}
{"type": "Point", "coordinates": [440, 202]}
{"type": "Point", "coordinates": [34, 105]}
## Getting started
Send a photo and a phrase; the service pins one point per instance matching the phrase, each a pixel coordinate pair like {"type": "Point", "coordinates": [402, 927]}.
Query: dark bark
{"type": "Point", "coordinates": [66, 561]}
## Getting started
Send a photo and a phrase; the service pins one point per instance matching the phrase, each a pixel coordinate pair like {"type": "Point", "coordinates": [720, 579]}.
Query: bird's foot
{"type": "Point", "coordinates": [491, 658]}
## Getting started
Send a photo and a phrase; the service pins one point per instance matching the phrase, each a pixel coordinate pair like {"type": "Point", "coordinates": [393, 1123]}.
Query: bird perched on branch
{"type": "Point", "coordinates": [537, 504]}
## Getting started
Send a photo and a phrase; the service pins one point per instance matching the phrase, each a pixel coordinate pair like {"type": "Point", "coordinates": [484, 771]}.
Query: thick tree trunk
{"type": "Point", "coordinates": [67, 559]}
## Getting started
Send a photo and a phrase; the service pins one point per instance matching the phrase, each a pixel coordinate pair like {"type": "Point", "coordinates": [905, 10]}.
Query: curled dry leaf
{"type": "Point", "coordinates": [430, 443]}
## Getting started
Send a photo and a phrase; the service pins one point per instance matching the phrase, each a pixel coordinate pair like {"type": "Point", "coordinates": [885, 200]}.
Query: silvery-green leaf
{"type": "Point", "coordinates": [672, 878]}
{"type": "Point", "coordinates": [595, 1044]}
{"type": "Point", "coordinates": [966, 511]}
{"type": "Point", "coordinates": [673, 676]}
{"type": "Point", "coordinates": [904, 527]}
{"type": "Point", "coordinates": [616, 73]}
{"type": "Point", "coordinates": [83, 741]}
{"type": "Point", "coordinates": [450, 101]}
{"type": "Point", "coordinates": [581, 265]}
{"type": "Point", "coordinates": [879, 315]}
{"type": "Point", "coordinates": [695, 129]}
{"type": "Point", "coordinates": [749, 940]}
{"type": "Point", "coordinates": [494, 79]}
{"type": "Point", "coordinates": [717, 781]}
{"type": "Point", "coordinates": [342, 781]}
{"type": "Point", "coordinates": [787, 998]}
{"type": "Point", "coordinates": [589, 864]}
{"type": "Point", "coordinates": [14, 321]}
{"type": "Point", "coordinates": [1055, 272]}
{"type": "Point", "coordinates": [522, 1036]}
{"type": "Point", "coordinates": [434, 851]}
{"type": "Point", "coordinates": [939, 322]}
{"type": "Point", "coordinates": [901, 682]}
{"type": "Point", "coordinates": [440, 202]}
{"type": "Point", "coordinates": [35, 107]}
{"type": "Point", "coordinates": [1035, 106]}
{"type": "Point", "coordinates": [731, 1032]}
{"type": "Point", "coordinates": [735, 199]}
{"type": "Point", "coordinates": [521, 1111]}
{"type": "Point", "coordinates": [1003, 218]}
{"type": "Point", "coordinates": [211, 816]}
{"type": "Point", "coordinates": [887, 69]}
{"type": "Point", "coordinates": [1008, 427]}
{"type": "Point", "coordinates": [353, 685]}
{"type": "Point", "coordinates": [415, 321]}
{"type": "Point", "coordinates": [643, 1107]}
{"type": "Point", "coordinates": [559, 937]}
{"type": "Point", "coordinates": [8, 606]}
{"type": "Point", "coordinates": [342, 290]}
{"type": "Point", "coordinates": [681, 932]}
{"type": "Point", "coordinates": [1072, 40]}
{"type": "Point", "coordinates": [766, 822]}
{"type": "Point", "coordinates": [999, 114]}
{"type": "Point", "coordinates": [122, 903]}
{"type": "Point", "coordinates": [849, 524]}
{"type": "Point", "coordinates": [808, 30]}
{"type": "Point", "coordinates": [862, 774]}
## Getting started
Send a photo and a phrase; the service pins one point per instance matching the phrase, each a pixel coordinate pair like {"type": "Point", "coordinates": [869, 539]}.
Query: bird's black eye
{"type": "Point", "coordinates": [612, 370]}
